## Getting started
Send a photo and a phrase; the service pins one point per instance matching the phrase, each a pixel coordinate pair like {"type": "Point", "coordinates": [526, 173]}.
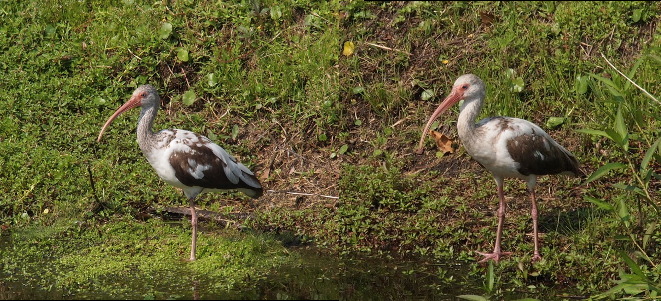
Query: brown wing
{"type": "Point", "coordinates": [203, 168]}
{"type": "Point", "coordinates": [538, 154]}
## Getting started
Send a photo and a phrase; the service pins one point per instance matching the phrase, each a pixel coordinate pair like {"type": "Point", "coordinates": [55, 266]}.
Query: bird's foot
{"type": "Point", "coordinates": [495, 256]}
{"type": "Point", "coordinates": [536, 257]}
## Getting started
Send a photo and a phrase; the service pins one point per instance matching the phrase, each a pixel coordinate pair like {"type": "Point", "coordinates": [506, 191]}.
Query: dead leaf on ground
{"type": "Point", "coordinates": [444, 143]}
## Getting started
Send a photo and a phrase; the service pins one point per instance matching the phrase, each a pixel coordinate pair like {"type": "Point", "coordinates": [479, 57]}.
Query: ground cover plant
{"type": "Point", "coordinates": [328, 98]}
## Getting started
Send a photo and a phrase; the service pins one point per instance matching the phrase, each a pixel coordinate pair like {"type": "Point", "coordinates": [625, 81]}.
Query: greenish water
{"type": "Point", "coordinates": [315, 275]}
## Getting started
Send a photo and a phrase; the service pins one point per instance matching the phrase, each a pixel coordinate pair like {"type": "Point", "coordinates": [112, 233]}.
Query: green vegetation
{"type": "Point", "coordinates": [269, 82]}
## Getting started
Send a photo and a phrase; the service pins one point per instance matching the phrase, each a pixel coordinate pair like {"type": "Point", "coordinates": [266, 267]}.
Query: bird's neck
{"type": "Point", "coordinates": [466, 123]}
{"type": "Point", "coordinates": [145, 134]}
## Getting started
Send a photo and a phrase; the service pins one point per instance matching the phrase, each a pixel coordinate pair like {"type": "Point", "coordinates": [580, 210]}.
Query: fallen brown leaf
{"type": "Point", "coordinates": [444, 143]}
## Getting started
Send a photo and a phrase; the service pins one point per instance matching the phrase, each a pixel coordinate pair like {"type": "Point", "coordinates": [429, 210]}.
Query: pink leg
{"type": "Point", "coordinates": [194, 223]}
{"type": "Point", "coordinates": [533, 212]}
{"type": "Point", "coordinates": [495, 256]}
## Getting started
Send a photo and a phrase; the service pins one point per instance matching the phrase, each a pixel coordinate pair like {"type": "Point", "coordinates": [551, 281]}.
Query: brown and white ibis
{"type": "Point", "coordinates": [507, 147]}
{"type": "Point", "coordinates": [185, 159]}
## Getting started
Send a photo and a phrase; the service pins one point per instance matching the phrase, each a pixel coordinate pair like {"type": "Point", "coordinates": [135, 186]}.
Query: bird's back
{"type": "Point", "coordinates": [515, 147]}
{"type": "Point", "coordinates": [186, 159]}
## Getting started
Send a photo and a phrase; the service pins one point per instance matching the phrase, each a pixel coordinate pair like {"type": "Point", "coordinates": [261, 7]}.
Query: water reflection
{"type": "Point", "coordinates": [315, 276]}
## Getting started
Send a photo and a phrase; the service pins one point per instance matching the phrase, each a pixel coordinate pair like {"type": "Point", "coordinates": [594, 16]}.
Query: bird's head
{"type": "Point", "coordinates": [467, 87]}
{"type": "Point", "coordinates": [143, 96]}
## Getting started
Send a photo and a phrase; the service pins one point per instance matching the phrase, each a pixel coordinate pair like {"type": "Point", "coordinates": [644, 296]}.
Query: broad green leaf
{"type": "Point", "coordinates": [600, 203]}
{"type": "Point", "coordinates": [212, 80]}
{"type": "Point", "coordinates": [189, 97]}
{"type": "Point", "coordinates": [623, 212]}
{"type": "Point", "coordinates": [632, 264]}
{"type": "Point", "coordinates": [602, 171]}
{"type": "Point", "coordinates": [343, 149]}
{"type": "Point", "coordinates": [649, 154]}
{"type": "Point", "coordinates": [518, 85]}
{"type": "Point", "coordinates": [621, 128]}
{"type": "Point", "coordinates": [581, 84]}
{"type": "Point", "coordinates": [358, 90]}
{"type": "Point", "coordinates": [553, 122]}
{"type": "Point", "coordinates": [593, 132]}
{"type": "Point", "coordinates": [629, 188]}
{"type": "Point", "coordinates": [427, 94]}
{"type": "Point", "coordinates": [276, 13]}
{"type": "Point", "coordinates": [182, 54]}
{"type": "Point", "coordinates": [604, 80]}
{"type": "Point", "coordinates": [491, 277]}
{"type": "Point", "coordinates": [648, 233]}
{"type": "Point", "coordinates": [165, 31]}
{"type": "Point", "coordinates": [615, 136]}
{"type": "Point", "coordinates": [637, 13]}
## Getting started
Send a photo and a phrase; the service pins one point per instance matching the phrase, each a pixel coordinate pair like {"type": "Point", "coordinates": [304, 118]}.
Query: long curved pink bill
{"type": "Point", "coordinates": [132, 103]}
{"type": "Point", "coordinates": [444, 106]}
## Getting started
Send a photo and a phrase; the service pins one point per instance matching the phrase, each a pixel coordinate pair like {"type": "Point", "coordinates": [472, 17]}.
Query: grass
{"type": "Point", "coordinates": [267, 80]}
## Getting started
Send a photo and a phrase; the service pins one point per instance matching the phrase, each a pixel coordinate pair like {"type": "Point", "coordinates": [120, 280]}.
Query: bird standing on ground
{"type": "Point", "coordinates": [507, 147]}
{"type": "Point", "coordinates": [185, 159]}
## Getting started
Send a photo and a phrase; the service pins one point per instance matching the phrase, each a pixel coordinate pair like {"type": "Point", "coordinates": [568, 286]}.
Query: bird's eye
{"type": "Point", "coordinates": [144, 94]}
{"type": "Point", "coordinates": [464, 87]}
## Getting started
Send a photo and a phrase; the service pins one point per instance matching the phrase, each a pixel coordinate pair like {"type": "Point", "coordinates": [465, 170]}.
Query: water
{"type": "Point", "coordinates": [316, 276]}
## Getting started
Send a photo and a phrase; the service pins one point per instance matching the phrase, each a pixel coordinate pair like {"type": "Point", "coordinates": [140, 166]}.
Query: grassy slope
{"type": "Point", "coordinates": [272, 87]}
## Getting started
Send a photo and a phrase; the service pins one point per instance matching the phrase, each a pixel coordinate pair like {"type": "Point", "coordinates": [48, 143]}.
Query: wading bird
{"type": "Point", "coordinates": [507, 147]}
{"type": "Point", "coordinates": [185, 159]}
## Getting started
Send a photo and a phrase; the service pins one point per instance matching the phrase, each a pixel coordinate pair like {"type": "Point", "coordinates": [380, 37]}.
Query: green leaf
{"type": "Point", "coordinates": [518, 85]}
{"type": "Point", "coordinates": [615, 136]}
{"type": "Point", "coordinates": [427, 94]}
{"type": "Point", "coordinates": [637, 13]}
{"type": "Point", "coordinates": [491, 277]}
{"type": "Point", "coordinates": [189, 97]}
{"type": "Point", "coordinates": [649, 154]}
{"type": "Point", "coordinates": [604, 80]}
{"type": "Point", "coordinates": [212, 80]}
{"type": "Point", "coordinates": [632, 264]}
{"type": "Point", "coordinates": [581, 84]}
{"type": "Point", "coordinates": [343, 149]}
{"type": "Point", "coordinates": [602, 171]}
{"type": "Point", "coordinates": [623, 212]}
{"type": "Point", "coordinates": [600, 203]}
{"type": "Point", "coordinates": [594, 132]}
{"type": "Point", "coordinates": [165, 31]}
{"type": "Point", "coordinates": [553, 122]}
{"type": "Point", "coordinates": [621, 128]}
{"type": "Point", "coordinates": [235, 131]}
{"type": "Point", "coordinates": [182, 54]}
{"type": "Point", "coordinates": [629, 188]}
{"type": "Point", "coordinates": [276, 13]}
{"type": "Point", "coordinates": [358, 90]}
{"type": "Point", "coordinates": [648, 233]}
